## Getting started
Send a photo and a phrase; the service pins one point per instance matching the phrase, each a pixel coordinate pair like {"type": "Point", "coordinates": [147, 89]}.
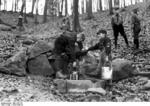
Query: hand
{"type": "Point", "coordinates": [74, 64]}
{"type": "Point", "coordinates": [64, 56]}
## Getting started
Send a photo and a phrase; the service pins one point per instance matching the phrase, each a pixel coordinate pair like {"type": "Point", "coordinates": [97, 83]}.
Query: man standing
{"type": "Point", "coordinates": [136, 28]}
{"type": "Point", "coordinates": [117, 26]}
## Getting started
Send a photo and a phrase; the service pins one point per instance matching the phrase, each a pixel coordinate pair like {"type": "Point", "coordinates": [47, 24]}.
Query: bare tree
{"type": "Point", "coordinates": [22, 7]}
{"type": "Point", "coordinates": [76, 24]}
{"type": "Point", "coordinates": [0, 4]}
{"type": "Point", "coordinates": [45, 11]}
{"type": "Point", "coordinates": [36, 16]}
{"type": "Point", "coordinates": [100, 5]}
{"type": "Point", "coordinates": [89, 14]}
{"type": "Point", "coordinates": [131, 2]}
{"type": "Point", "coordinates": [117, 3]}
{"type": "Point", "coordinates": [124, 1]}
{"type": "Point", "coordinates": [110, 7]}
{"type": "Point", "coordinates": [16, 5]}
{"type": "Point", "coordinates": [62, 2]}
{"type": "Point", "coordinates": [25, 9]}
{"type": "Point", "coordinates": [66, 7]}
{"type": "Point", "coordinates": [5, 4]}
{"type": "Point", "coordinates": [12, 5]}
{"type": "Point", "coordinates": [82, 6]}
{"type": "Point", "coordinates": [33, 4]}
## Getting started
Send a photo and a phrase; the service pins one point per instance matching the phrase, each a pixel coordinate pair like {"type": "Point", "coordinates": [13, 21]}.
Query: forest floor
{"type": "Point", "coordinates": [38, 88]}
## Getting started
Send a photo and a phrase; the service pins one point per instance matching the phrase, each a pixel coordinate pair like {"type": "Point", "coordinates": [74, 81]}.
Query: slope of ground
{"type": "Point", "coordinates": [36, 88]}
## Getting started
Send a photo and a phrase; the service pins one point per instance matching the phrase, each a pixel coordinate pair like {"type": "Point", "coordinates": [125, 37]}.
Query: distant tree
{"type": "Point", "coordinates": [82, 6]}
{"type": "Point", "coordinates": [45, 11]}
{"type": "Point", "coordinates": [12, 5]}
{"type": "Point", "coordinates": [89, 11]}
{"type": "Point", "coordinates": [16, 5]}
{"type": "Point", "coordinates": [5, 4]}
{"type": "Point", "coordinates": [33, 4]}
{"type": "Point", "coordinates": [110, 7]}
{"type": "Point", "coordinates": [100, 5]}
{"type": "Point", "coordinates": [76, 24]}
{"type": "Point", "coordinates": [36, 16]}
{"type": "Point", "coordinates": [25, 12]}
{"type": "Point", "coordinates": [22, 7]}
{"type": "Point", "coordinates": [131, 2]}
{"type": "Point", "coordinates": [124, 1]}
{"type": "Point", "coordinates": [66, 7]}
{"type": "Point", "coordinates": [62, 2]}
{"type": "Point", "coordinates": [0, 4]}
{"type": "Point", "coordinates": [117, 3]}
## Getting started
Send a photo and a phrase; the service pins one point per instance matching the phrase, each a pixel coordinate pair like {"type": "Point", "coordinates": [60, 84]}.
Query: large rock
{"type": "Point", "coordinates": [122, 69]}
{"type": "Point", "coordinates": [147, 86]}
{"type": "Point", "coordinates": [77, 86]}
{"type": "Point", "coordinates": [39, 48]}
{"type": "Point", "coordinates": [4, 28]}
{"type": "Point", "coordinates": [40, 66]}
{"type": "Point", "coordinates": [16, 65]}
{"type": "Point", "coordinates": [97, 90]}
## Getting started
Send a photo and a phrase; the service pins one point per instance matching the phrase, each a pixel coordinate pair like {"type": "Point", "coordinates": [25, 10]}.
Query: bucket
{"type": "Point", "coordinates": [107, 73]}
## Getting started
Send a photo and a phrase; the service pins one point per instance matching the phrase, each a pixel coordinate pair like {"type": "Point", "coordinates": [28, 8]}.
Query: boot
{"type": "Point", "coordinates": [60, 75]}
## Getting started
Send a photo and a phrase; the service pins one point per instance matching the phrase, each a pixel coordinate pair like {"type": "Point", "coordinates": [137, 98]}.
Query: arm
{"type": "Point", "coordinates": [94, 47]}
{"type": "Point", "coordinates": [121, 20]}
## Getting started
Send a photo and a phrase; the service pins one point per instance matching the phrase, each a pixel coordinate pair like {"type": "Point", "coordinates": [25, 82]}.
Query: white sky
{"type": "Point", "coordinates": [41, 5]}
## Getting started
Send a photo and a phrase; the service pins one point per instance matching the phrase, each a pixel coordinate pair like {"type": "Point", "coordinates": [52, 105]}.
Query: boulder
{"type": "Point", "coordinates": [27, 42]}
{"type": "Point", "coordinates": [40, 66]}
{"type": "Point", "coordinates": [122, 69]}
{"type": "Point", "coordinates": [16, 65]}
{"type": "Point", "coordinates": [39, 48]}
{"type": "Point", "coordinates": [4, 28]}
{"type": "Point", "coordinates": [77, 86]}
{"type": "Point", "coordinates": [147, 86]}
{"type": "Point", "coordinates": [97, 90]}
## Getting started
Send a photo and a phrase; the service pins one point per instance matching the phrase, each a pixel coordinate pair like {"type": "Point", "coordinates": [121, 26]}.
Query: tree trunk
{"type": "Point", "coordinates": [66, 7]}
{"type": "Point", "coordinates": [45, 12]}
{"type": "Point", "coordinates": [82, 6]}
{"type": "Point", "coordinates": [15, 5]}
{"type": "Point", "coordinates": [89, 14]}
{"type": "Point", "coordinates": [0, 4]}
{"type": "Point", "coordinates": [100, 5]}
{"type": "Point", "coordinates": [25, 16]}
{"type": "Point", "coordinates": [131, 2]}
{"type": "Point", "coordinates": [36, 16]}
{"type": "Point", "coordinates": [22, 7]}
{"type": "Point", "coordinates": [61, 8]}
{"type": "Point", "coordinates": [76, 24]}
{"type": "Point", "coordinates": [124, 3]}
{"type": "Point", "coordinates": [117, 3]}
{"type": "Point", "coordinates": [110, 7]}
{"type": "Point", "coordinates": [33, 4]}
{"type": "Point", "coordinates": [12, 5]}
{"type": "Point", "coordinates": [5, 4]}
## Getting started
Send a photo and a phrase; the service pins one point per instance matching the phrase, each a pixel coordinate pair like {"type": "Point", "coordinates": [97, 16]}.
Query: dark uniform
{"type": "Point", "coordinates": [104, 45]}
{"type": "Point", "coordinates": [136, 28]}
{"type": "Point", "coordinates": [64, 51]}
{"type": "Point", "coordinates": [117, 25]}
